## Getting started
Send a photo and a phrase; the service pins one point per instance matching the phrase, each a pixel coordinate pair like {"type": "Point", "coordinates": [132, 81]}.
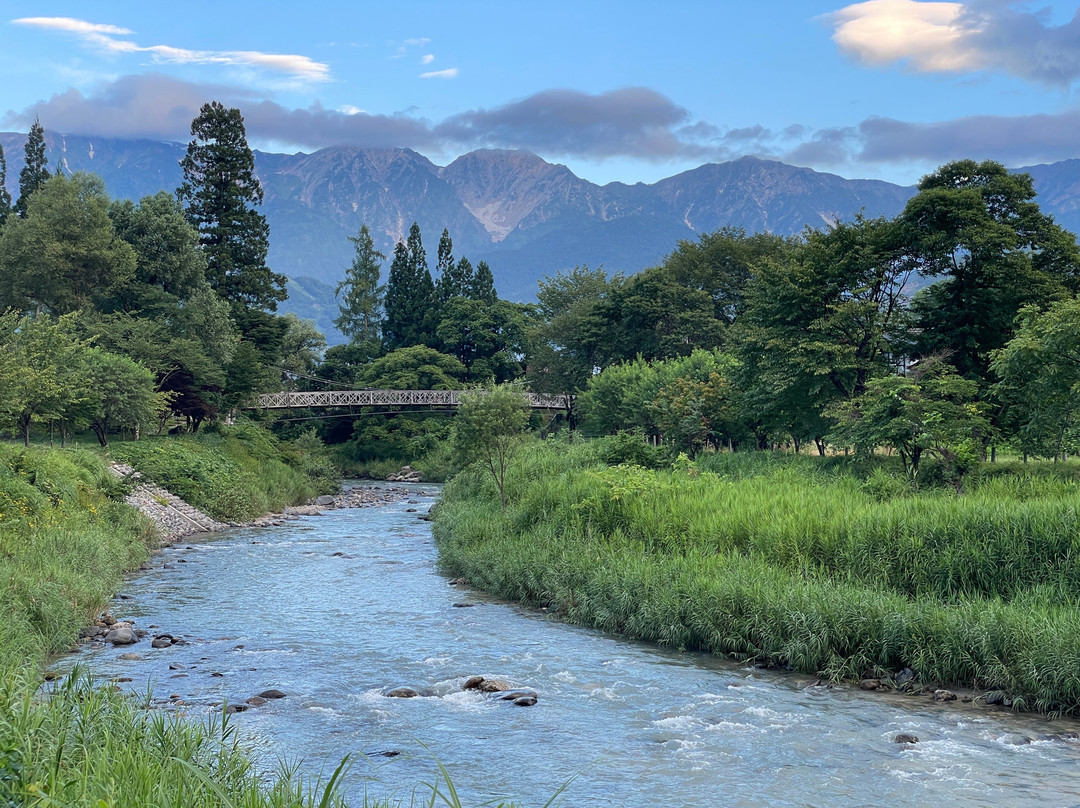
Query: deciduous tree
{"type": "Point", "coordinates": [488, 427]}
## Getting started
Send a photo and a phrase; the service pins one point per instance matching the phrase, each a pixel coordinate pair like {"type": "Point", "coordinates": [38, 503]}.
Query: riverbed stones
{"type": "Point", "coordinates": [472, 683]}
{"type": "Point", "coordinates": [401, 693]}
{"type": "Point", "coordinates": [870, 684]}
{"type": "Point", "coordinates": [325, 501]}
{"type": "Point", "coordinates": [121, 636]}
{"type": "Point", "coordinates": [162, 641]}
{"type": "Point", "coordinates": [130, 657]}
{"type": "Point", "coordinates": [906, 738]}
{"type": "Point", "coordinates": [494, 686]}
{"type": "Point", "coordinates": [996, 697]}
{"type": "Point", "coordinates": [256, 701]}
{"type": "Point", "coordinates": [271, 694]}
{"type": "Point", "coordinates": [944, 695]}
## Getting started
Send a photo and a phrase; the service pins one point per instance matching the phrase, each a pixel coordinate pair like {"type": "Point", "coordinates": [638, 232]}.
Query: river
{"type": "Point", "coordinates": [334, 610]}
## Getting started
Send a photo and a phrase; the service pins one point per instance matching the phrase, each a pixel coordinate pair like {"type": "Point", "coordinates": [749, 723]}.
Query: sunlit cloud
{"type": "Point", "coordinates": [955, 37]}
{"type": "Point", "coordinates": [930, 37]}
{"type": "Point", "coordinates": [107, 38]}
{"type": "Point", "coordinates": [427, 58]}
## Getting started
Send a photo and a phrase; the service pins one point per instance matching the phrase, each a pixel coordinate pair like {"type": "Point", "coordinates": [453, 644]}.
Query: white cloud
{"type": "Point", "coordinates": [72, 25]}
{"type": "Point", "coordinates": [932, 37]}
{"type": "Point", "coordinates": [349, 109]}
{"type": "Point", "coordinates": [449, 73]}
{"type": "Point", "coordinates": [104, 36]}
{"type": "Point", "coordinates": [417, 41]}
{"type": "Point", "coordinates": [427, 58]}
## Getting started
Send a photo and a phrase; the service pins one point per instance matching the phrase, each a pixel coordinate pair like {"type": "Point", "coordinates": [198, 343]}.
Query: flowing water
{"type": "Point", "coordinates": [334, 610]}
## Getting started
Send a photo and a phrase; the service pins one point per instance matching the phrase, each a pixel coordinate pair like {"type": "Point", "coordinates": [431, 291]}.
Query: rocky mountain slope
{"type": "Point", "coordinates": [526, 217]}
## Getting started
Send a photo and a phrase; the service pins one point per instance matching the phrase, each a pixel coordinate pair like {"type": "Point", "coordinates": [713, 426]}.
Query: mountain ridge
{"type": "Point", "coordinates": [525, 216]}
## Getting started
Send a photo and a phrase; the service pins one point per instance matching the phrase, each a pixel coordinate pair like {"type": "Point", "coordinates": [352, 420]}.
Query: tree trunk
{"type": "Point", "coordinates": [99, 430]}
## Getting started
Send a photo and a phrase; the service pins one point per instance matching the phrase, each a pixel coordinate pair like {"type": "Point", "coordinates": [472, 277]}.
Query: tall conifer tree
{"type": "Point", "coordinates": [5, 195]}
{"type": "Point", "coordinates": [482, 286]}
{"type": "Point", "coordinates": [410, 296]}
{"type": "Point", "coordinates": [220, 193]}
{"type": "Point", "coordinates": [361, 295]}
{"type": "Point", "coordinates": [34, 173]}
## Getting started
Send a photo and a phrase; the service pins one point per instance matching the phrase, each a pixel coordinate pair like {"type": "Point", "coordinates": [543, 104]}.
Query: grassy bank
{"type": "Point", "coordinates": [234, 473]}
{"type": "Point", "coordinates": [65, 542]}
{"type": "Point", "coordinates": [791, 562]}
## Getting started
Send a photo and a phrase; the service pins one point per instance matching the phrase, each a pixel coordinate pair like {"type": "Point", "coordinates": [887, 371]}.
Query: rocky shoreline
{"type": "Point", "coordinates": [176, 519]}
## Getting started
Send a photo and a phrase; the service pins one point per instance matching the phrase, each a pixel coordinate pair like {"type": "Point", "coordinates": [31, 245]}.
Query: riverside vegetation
{"type": "Point", "coordinates": [66, 541]}
{"type": "Point", "coordinates": [789, 561]}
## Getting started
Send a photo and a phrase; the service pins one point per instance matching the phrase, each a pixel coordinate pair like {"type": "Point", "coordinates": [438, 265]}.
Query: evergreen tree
{"type": "Point", "coordinates": [34, 173]}
{"type": "Point", "coordinates": [482, 285]}
{"type": "Point", "coordinates": [219, 195]}
{"type": "Point", "coordinates": [5, 195]}
{"type": "Point", "coordinates": [410, 296]}
{"type": "Point", "coordinates": [361, 295]}
{"type": "Point", "coordinates": [456, 281]}
{"type": "Point", "coordinates": [446, 282]}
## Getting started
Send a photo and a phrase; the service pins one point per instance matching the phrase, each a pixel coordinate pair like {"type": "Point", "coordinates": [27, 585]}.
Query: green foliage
{"type": "Point", "coordinates": [5, 194]}
{"type": "Point", "coordinates": [787, 561]}
{"type": "Point", "coordinates": [219, 194]}
{"type": "Point", "coordinates": [361, 296]}
{"type": "Point", "coordinates": [63, 254]}
{"type": "Point", "coordinates": [929, 411]}
{"type": "Point", "coordinates": [410, 296]}
{"type": "Point", "coordinates": [169, 268]}
{"type": "Point", "coordinates": [488, 427]}
{"type": "Point", "coordinates": [414, 368]}
{"type": "Point", "coordinates": [234, 474]}
{"type": "Point", "coordinates": [33, 174]}
{"type": "Point", "coordinates": [976, 227]}
{"type": "Point", "coordinates": [1039, 372]}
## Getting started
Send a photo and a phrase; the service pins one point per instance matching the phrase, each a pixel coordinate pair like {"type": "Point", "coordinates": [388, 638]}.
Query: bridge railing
{"type": "Point", "coordinates": [387, 398]}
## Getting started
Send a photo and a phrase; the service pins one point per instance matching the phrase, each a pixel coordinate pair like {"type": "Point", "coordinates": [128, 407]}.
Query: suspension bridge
{"type": "Point", "coordinates": [388, 398]}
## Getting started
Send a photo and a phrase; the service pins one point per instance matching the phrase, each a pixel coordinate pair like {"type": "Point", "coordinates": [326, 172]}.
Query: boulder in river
{"type": "Point", "coordinates": [525, 701]}
{"type": "Point", "coordinates": [401, 693]}
{"type": "Point", "coordinates": [995, 697]}
{"type": "Point", "coordinates": [256, 701]}
{"type": "Point", "coordinates": [162, 641]}
{"type": "Point", "coordinates": [906, 738]}
{"type": "Point", "coordinates": [121, 636]}
{"type": "Point", "coordinates": [325, 501]}
{"type": "Point", "coordinates": [494, 686]}
{"type": "Point", "coordinates": [271, 694]}
{"type": "Point", "coordinates": [944, 695]}
{"type": "Point", "coordinates": [870, 684]}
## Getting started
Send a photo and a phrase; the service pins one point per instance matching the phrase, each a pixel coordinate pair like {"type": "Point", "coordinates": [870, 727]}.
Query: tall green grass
{"type": "Point", "coordinates": [790, 562]}
{"type": "Point", "coordinates": [234, 473]}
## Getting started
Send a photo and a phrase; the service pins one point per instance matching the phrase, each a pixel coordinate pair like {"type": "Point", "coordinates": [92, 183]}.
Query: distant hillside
{"type": "Point", "coordinates": [526, 217]}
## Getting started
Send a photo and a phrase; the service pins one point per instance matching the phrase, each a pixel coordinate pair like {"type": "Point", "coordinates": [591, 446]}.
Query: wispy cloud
{"type": "Point", "coordinates": [427, 58]}
{"type": "Point", "coordinates": [960, 37]}
{"type": "Point", "coordinates": [108, 38]}
{"type": "Point", "coordinates": [449, 73]}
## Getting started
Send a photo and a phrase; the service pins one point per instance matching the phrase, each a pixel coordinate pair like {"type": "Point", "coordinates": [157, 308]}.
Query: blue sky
{"type": "Point", "coordinates": [628, 91]}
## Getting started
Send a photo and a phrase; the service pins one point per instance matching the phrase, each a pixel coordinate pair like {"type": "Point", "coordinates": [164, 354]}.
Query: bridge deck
{"type": "Point", "coordinates": [387, 398]}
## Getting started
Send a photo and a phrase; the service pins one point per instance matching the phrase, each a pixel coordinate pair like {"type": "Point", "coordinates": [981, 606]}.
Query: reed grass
{"type": "Point", "coordinates": [791, 562]}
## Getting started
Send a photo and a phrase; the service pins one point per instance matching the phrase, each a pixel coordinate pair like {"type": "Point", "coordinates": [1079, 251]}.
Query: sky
{"type": "Point", "coordinates": [618, 91]}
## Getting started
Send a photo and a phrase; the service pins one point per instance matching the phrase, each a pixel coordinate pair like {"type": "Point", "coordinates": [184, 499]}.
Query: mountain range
{"type": "Point", "coordinates": [526, 217]}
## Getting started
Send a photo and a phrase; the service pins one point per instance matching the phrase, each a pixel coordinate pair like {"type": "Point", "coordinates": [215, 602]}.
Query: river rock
{"type": "Point", "coordinates": [401, 693]}
{"type": "Point", "coordinates": [494, 686]}
{"type": "Point", "coordinates": [237, 708]}
{"type": "Point", "coordinates": [256, 701]}
{"type": "Point", "coordinates": [271, 694]}
{"type": "Point", "coordinates": [162, 641]}
{"type": "Point", "coordinates": [905, 737]}
{"type": "Point", "coordinates": [944, 695]}
{"type": "Point", "coordinates": [473, 683]}
{"type": "Point", "coordinates": [121, 636]}
{"type": "Point", "coordinates": [325, 501]}
{"type": "Point", "coordinates": [995, 697]}
{"type": "Point", "coordinates": [906, 676]}
{"type": "Point", "coordinates": [525, 701]}
{"type": "Point", "coordinates": [108, 619]}
{"type": "Point", "coordinates": [514, 695]}
{"type": "Point", "coordinates": [130, 657]}
{"type": "Point", "coordinates": [870, 684]}
{"type": "Point", "coordinates": [1015, 739]}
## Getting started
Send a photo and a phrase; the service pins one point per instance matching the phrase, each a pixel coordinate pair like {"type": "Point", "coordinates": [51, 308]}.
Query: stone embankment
{"type": "Point", "coordinates": [177, 519]}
